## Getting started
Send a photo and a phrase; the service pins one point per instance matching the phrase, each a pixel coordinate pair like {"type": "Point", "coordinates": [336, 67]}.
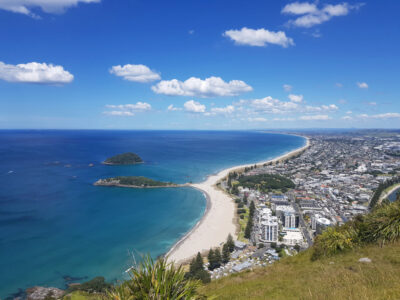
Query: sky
{"type": "Point", "coordinates": [143, 64]}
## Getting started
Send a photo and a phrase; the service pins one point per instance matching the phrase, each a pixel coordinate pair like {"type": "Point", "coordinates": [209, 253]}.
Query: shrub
{"type": "Point", "coordinates": [334, 240]}
{"type": "Point", "coordinates": [383, 224]}
{"type": "Point", "coordinates": [156, 280]}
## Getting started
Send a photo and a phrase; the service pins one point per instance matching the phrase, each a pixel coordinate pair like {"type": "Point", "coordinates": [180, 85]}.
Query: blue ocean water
{"type": "Point", "coordinates": [55, 225]}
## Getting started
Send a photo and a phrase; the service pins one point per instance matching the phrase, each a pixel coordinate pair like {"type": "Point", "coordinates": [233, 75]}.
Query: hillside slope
{"type": "Point", "coordinates": [339, 277]}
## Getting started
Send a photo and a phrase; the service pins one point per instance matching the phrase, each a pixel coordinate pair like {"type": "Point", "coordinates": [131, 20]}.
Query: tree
{"type": "Point", "coordinates": [247, 231]}
{"type": "Point", "coordinates": [273, 245]}
{"type": "Point", "coordinates": [196, 270]}
{"type": "Point", "coordinates": [252, 209]}
{"type": "Point", "coordinates": [297, 247]}
{"type": "Point", "coordinates": [218, 258]}
{"type": "Point", "coordinates": [230, 243]}
{"type": "Point", "coordinates": [226, 254]}
{"type": "Point", "coordinates": [211, 259]}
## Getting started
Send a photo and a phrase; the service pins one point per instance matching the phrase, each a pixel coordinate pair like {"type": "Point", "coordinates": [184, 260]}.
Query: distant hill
{"type": "Point", "coordinates": [127, 158]}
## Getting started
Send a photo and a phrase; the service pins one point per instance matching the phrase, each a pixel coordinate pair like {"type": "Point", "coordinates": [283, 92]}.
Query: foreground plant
{"type": "Point", "coordinates": [156, 280]}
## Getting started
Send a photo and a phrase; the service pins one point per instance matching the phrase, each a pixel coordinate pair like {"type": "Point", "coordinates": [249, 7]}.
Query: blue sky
{"type": "Point", "coordinates": [119, 64]}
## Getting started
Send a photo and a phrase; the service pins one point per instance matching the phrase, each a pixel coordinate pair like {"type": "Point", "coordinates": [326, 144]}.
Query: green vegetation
{"type": "Point", "coordinates": [96, 285]}
{"type": "Point", "coordinates": [196, 270]}
{"type": "Point", "coordinates": [128, 158]}
{"type": "Point", "coordinates": [156, 280]}
{"type": "Point", "coordinates": [265, 182]}
{"type": "Point", "coordinates": [380, 189]}
{"type": "Point", "coordinates": [134, 181]}
{"type": "Point", "coordinates": [380, 226]}
{"type": "Point", "coordinates": [249, 225]}
{"type": "Point", "coordinates": [338, 277]}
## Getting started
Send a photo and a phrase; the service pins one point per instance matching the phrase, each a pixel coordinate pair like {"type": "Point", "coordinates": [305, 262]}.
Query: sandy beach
{"type": "Point", "coordinates": [219, 218]}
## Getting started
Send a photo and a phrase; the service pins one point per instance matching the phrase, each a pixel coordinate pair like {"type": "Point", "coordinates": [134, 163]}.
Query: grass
{"type": "Point", "coordinates": [78, 295]}
{"type": "Point", "coordinates": [242, 225]}
{"type": "Point", "coordinates": [337, 277]}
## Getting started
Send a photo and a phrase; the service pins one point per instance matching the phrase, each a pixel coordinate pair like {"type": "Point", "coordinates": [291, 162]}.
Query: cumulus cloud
{"type": "Point", "coordinates": [287, 87]}
{"type": "Point", "coordinates": [171, 107]}
{"type": "Point", "coordinates": [270, 105]}
{"type": "Point", "coordinates": [297, 8]}
{"type": "Point", "coordinates": [196, 87]}
{"type": "Point", "coordinates": [127, 109]}
{"type": "Point", "coordinates": [229, 109]}
{"type": "Point", "coordinates": [315, 118]}
{"type": "Point", "coordinates": [296, 98]}
{"type": "Point", "coordinates": [49, 6]}
{"type": "Point", "coordinates": [362, 85]}
{"type": "Point", "coordinates": [34, 72]}
{"type": "Point", "coordinates": [258, 37]}
{"type": "Point", "coordinates": [138, 73]}
{"type": "Point", "coordinates": [194, 107]}
{"type": "Point", "coordinates": [347, 118]}
{"type": "Point", "coordinates": [308, 14]}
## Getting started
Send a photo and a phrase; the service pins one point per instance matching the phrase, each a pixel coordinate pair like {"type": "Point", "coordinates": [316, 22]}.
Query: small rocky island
{"type": "Point", "coordinates": [135, 182]}
{"type": "Point", "coordinates": [127, 158]}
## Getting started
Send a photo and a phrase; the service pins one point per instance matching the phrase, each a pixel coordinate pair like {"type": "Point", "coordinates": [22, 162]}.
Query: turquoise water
{"type": "Point", "coordinates": [55, 225]}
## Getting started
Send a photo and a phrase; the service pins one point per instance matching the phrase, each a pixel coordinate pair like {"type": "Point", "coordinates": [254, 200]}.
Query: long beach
{"type": "Point", "coordinates": [219, 219]}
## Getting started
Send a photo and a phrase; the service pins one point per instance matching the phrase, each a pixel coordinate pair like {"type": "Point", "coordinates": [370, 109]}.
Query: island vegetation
{"type": "Point", "coordinates": [127, 158]}
{"type": "Point", "coordinates": [134, 182]}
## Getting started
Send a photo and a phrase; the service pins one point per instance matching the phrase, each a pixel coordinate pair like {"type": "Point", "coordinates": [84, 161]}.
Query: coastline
{"type": "Point", "coordinates": [218, 221]}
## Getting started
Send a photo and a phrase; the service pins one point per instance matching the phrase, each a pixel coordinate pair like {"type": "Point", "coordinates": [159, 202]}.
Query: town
{"type": "Point", "coordinates": [297, 198]}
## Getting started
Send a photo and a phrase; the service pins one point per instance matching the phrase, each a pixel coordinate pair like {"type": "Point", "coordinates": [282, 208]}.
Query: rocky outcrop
{"type": "Point", "coordinates": [40, 293]}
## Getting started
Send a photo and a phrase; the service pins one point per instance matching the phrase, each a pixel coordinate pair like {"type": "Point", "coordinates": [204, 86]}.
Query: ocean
{"type": "Point", "coordinates": [57, 228]}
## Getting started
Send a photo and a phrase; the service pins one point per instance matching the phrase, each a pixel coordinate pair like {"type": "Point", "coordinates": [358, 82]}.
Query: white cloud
{"type": "Point", "coordinates": [119, 113]}
{"type": "Point", "coordinates": [297, 8]}
{"type": "Point", "coordinates": [390, 115]}
{"type": "Point", "coordinates": [171, 107]}
{"type": "Point", "coordinates": [274, 106]}
{"type": "Point", "coordinates": [48, 6]}
{"type": "Point", "coordinates": [34, 72]}
{"type": "Point", "coordinates": [347, 118]}
{"type": "Point", "coordinates": [339, 85]}
{"type": "Point", "coordinates": [315, 118]}
{"type": "Point", "coordinates": [259, 119]}
{"type": "Point", "coordinates": [284, 119]}
{"type": "Point", "coordinates": [194, 107]}
{"type": "Point", "coordinates": [223, 110]}
{"type": "Point", "coordinates": [362, 85]}
{"type": "Point", "coordinates": [349, 112]}
{"type": "Point", "coordinates": [209, 87]}
{"type": "Point", "coordinates": [372, 103]}
{"type": "Point", "coordinates": [138, 73]}
{"type": "Point", "coordinates": [258, 37]}
{"type": "Point", "coordinates": [287, 87]}
{"type": "Point", "coordinates": [127, 109]}
{"type": "Point", "coordinates": [310, 15]}
{"type": "Point", "coordinates": [296, 98]}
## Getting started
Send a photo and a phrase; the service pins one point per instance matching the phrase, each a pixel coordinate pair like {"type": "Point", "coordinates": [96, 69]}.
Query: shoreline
{"type": "Point", "coordinates": [219, 218]}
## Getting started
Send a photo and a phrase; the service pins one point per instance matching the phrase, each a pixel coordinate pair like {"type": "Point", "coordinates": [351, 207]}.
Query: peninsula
{"type": "Point", "coordinates": [135, 182]}
{"type": "Point", "coordinates": [127, 158]}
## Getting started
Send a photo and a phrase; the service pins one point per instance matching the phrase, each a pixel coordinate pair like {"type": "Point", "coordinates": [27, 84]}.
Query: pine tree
{"type": "Point", "coordinates": [226, 254]}
{"type": "Point", "coordinates": [247, 231]}
{"type": "Point", "coordinates": [252, 209]}
{"type": "Point", "coordinates": [218, 258]}
{"type": "Point", "coordinates": [198, 262]}
{"type": "Point", "coordinates": [230, 243]}
{"type": "Point", "coordinates": [211, 259]}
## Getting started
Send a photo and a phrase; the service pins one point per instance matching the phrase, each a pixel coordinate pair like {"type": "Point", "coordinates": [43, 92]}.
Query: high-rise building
{"type": "Point", "coordinates": [269, 230]}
